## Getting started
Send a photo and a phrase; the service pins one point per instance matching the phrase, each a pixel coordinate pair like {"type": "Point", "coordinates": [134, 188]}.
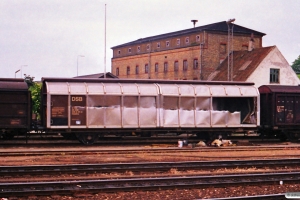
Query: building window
{"type": "Point", "coordinates": [119, 52]}
{"type": "Point", "coordinates": [178, 42]}
{"type": "Point", "coordinates": [274, 75]}
{"type": "Point", "coordinates": [176, 66]}
{"type": "Point", "coordinates": [223, 48]}
{"type": "Point", "coordinates": [129, 50]}
{"type": "Point", "coordinates": [167, 43]}
{"type": "Point", "coordinates": [138, 48]}
{"type": "Point", "coordinates": [185, 65]}
{"type": "Point", "coordinates": [117, 71]}
{"type": "Point", "coordinates": [137, 69]}
{"type": "Point", "coordinates": [195, 63]}
{"type": "Point", "coordinates": [146, 69]}
{"type": "Point", "coordinates": [166, 67]}
{"type": "Point", "coordinates": [156, 67]}
{"type": "Point", "coordinates": [128, 70]}
{"type": "Point", "coordinates": [148, 47]}
{"type": "Point", "coordinates": [197, 38]}
{"type": "Point", "coordinates": [187, 40]}
{"type": "Point", "coordinates": [158, 45]}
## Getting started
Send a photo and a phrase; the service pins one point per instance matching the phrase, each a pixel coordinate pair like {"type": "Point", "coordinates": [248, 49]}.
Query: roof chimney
{"type": "Point", "coordinates": [194, 21]}
{"type": "Point", "coordinates": [251, 43]}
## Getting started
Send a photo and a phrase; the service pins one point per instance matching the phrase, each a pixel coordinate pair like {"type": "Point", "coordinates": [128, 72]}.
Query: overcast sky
{"type": "Point", "coordinates": [49, 35]}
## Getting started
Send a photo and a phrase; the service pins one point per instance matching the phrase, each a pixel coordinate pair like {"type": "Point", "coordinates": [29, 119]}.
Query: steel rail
{"type": "Point", "coordinates": [112, 185]}
{"type": "Point", "coordinates": [134, 150]}
{"type": "Point", "coordinates": [142, 166]}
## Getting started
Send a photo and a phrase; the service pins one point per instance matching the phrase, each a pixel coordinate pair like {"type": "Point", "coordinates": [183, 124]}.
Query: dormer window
{"type": "Point", "coordinates": [187, 40]}
{"type": "Point", "coordinates": [167, 43]}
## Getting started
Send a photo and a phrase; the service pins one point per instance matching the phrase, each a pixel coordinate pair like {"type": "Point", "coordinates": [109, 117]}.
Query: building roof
{"type": "Point", "coordinates": [99, 75]}
{"type": "Point", "coordinates": [215, 27]}
{"type": "Point", "coordinates": [244, 64]}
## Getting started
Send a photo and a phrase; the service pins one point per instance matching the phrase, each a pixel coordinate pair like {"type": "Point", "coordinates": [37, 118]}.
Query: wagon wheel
{"type": "Point", "coordinates": [146, 134]}
{"type": "Point", "coordinates": [87, 138]}
{"type": "Point", "coordinates": [293, 137]}
{"type": "Point", "coordinates": [68, 136]}
{"type": "Point", "coordinates": [7, 136]}
{"type": "Point", "coordinates": [41, 133]}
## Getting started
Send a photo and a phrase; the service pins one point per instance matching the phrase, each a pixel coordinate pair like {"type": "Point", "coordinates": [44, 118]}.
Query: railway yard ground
{"type": "Point", "coordinates": [172, 182]}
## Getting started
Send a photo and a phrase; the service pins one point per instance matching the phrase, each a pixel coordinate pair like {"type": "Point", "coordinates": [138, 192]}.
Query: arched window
{"type": "Point", "coordinates": [185, 65]}
{"type": "Point", "coordinates": [195, 63]}
{"type": "Point", "coordinates": [166, 67]}
{"type": "Point", "coordinates": [137, 69]}
{"type": "Point", "coordinates": [128, 70]}
{"type": "Point", "coordinates": [146, 68]}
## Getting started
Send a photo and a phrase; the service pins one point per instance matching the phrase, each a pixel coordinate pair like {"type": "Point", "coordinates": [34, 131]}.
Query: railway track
{"type": "Point", "coordinates": [78, 150]}
{"type": "Point", "coordinates": [11, 171]}
{"type": "Point", "coordinates": [264, 197]}
{"type": "Point", "coordinates": [113, 185]}
{"type": "Point", "coordinates": [121, 140]}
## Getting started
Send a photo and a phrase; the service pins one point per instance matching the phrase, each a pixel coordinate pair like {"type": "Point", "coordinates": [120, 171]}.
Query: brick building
{"type": "Point", "coordinates": [191, 54]}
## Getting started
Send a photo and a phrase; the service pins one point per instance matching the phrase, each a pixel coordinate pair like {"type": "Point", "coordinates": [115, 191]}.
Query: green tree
{"type": "Point", "coordinates": [35, 89]}
{"type": "Point", "coordinates": [296, 65]}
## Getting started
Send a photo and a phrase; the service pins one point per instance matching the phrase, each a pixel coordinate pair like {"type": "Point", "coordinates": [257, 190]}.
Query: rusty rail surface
{"type": "Point", "coordinates": [141, 167]}
{"type": "Point", "coordinates": [112, 185]}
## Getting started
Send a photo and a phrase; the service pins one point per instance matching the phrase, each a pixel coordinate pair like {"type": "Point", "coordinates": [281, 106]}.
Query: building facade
{"type": "Point", "coordinates": [191, 54]}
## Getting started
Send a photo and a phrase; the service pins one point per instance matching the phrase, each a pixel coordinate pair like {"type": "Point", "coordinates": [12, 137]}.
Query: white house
{"type": "Point", "coordinates": [263, 66]}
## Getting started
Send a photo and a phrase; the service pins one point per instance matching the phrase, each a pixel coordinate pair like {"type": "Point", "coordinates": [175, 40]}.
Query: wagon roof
{"type": "Point", "coordinates": [279, 89]}
{"type": "Point", "coordinates": [148, 87]}
{"type": "Point", "coordinates": [13, 84]}
{"type": "Point", "coordinates": [97, 80]}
